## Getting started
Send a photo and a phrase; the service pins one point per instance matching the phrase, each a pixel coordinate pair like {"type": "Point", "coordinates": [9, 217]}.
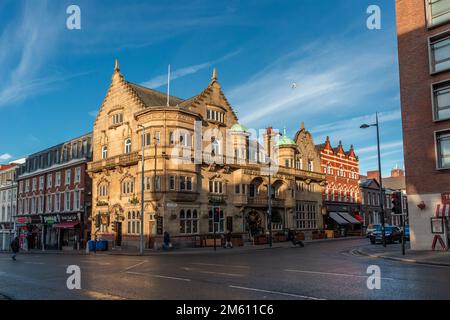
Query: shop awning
{"type": "Point", "coordinates": [66, 225]}
{"type": "Point", "coordinates": [349, 218]}
{"type": "Point", "coordinates": [338, 218]}
{"type": "Point", "coordinates": [359, 218]}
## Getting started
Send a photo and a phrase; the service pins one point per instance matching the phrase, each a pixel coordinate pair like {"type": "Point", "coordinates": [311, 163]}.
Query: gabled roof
{"type": "Point", "coordinates": [395, 183]}
{"type": "Point", "coordinates": [153, 98]}
{"type": "Point", "coordinates": [367, 182]}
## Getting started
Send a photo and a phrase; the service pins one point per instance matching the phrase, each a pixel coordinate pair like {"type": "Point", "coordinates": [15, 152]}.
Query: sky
{"type": "Point", "coordinates": [280, 63]}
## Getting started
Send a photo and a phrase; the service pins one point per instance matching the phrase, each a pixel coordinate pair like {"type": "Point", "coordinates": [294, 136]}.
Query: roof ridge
{"type": "Point", "coordinates": [153, 90]}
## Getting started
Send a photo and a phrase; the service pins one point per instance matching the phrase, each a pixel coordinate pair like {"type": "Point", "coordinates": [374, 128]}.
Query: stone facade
{"type": "Point", "coordinates": [197, 157]}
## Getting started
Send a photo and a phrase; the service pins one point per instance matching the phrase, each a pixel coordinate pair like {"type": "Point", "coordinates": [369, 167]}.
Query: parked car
{"type": "Point", "coordinates": [371, 228]}
{"type": "Point", "coordinates": [392, 234]}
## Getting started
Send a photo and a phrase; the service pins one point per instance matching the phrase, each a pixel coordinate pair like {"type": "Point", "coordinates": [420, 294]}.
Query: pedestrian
{"type": "Point", "coordinates": [167, 245]}
{"type": "Point", "coordinates": [295, 242]}
{"type": "Point", "coordinates": [228, 237]}
{"type": "Point", "coordinates": [15, 246]}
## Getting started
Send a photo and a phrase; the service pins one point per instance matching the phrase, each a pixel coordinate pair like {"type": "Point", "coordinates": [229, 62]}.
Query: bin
{"type": "Point", "coordinates": [102, 245]}
{"type": "Point", "coordinates": [91, 245]}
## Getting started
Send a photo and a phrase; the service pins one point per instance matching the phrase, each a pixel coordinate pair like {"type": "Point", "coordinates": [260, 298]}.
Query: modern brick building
{"type": "Point", "coordinates": [341, 195]}
{"type": "Point", "coordinates": [423, 28]}
{"type": "Point", "coordinates": [54, 196]}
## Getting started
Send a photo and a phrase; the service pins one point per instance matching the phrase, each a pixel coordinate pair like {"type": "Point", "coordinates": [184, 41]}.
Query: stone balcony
{"type": "Point", "coordinates": [110, 163]}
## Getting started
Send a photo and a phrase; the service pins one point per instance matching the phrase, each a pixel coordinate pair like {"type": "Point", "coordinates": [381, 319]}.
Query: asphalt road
{"type": "Point", "coordinates": [327, 270]}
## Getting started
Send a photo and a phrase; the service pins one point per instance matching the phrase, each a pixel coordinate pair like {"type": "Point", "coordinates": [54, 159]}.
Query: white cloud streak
{"type": "Point", "coordinates": [5, 156]}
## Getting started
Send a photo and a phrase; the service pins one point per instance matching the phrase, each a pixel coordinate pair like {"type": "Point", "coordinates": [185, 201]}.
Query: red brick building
{"type": "Point", "coordinates": [54, 196]}
{"type": "Point", "coordinates": [341, 193]}
{"type": "Point", "coordinates": [423, 28]}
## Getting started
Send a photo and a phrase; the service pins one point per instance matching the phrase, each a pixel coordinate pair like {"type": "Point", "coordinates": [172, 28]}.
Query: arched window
{"type": "Point", "coordinates": [310, 165]}
{"type": "Point", "coordinates": [127, 145]}
{"type": "Point", "coordinates": [127, 186]}
{"type": "Point", "coordinates": [103, 190]}
{"type": "Point", "coordinates": [215, 147]}
{"type": "Point", "coordinates": [341, 171]}
{"type": "Point", "coordinates": [104, 152]}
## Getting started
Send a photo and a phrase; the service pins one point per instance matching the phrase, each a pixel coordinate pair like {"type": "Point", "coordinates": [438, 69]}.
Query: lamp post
{"type": "Point", "coordinates": [141, 242]}
{"type": "Point", "coordinates": [269, 188]}
{"type": "Point", "coordinates": [365, 126]}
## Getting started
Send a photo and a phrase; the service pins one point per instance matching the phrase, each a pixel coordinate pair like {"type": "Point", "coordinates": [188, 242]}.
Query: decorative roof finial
{"type": "Point", "coordinates": [214, 75]}
{"type": "Point", "coordinates": [328, 139]}
{"type": "Point", "coordinates": [340, 142]}
{"type": "Point", "coordinates": [116, 66]}
{"type": "Point", "coordinates": [351, 147]}
{"type": "Point", "coordinates": [302, 126]}
{"type": "Point", "coordinates": [284, 132]}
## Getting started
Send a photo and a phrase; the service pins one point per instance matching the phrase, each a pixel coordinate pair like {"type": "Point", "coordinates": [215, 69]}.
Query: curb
{"type": "Point", "coordinates": [3, 297]}
{"type": "Point", "coordinates": [405, 260]}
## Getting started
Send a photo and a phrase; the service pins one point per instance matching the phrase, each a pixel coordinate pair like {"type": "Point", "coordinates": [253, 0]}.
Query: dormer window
{"type": "Point", "coordinates": [117, 119]}
{"type": "Point", "coordinates": [215, 115]}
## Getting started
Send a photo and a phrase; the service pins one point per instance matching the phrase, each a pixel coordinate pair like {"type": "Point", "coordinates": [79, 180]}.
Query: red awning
{"type": "Point", "coordinates": [359, 218]}
{"type": "Point", "coordinates": [443, 210]}
{"type": "Point", "coordinates": [66, 225]}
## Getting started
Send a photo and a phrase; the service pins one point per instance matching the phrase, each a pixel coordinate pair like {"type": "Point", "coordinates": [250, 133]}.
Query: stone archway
{"type": "Point", "coordinates": [254, 222]}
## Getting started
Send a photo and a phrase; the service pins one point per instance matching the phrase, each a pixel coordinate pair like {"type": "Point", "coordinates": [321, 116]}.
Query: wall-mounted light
{"type": "Point", "coordinates": [422, 205]}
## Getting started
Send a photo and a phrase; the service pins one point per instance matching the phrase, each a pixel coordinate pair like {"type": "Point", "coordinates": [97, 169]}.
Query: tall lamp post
{"type": "Point", "coordinates": [141, 242]}
{"type": "Point", "coordinates": [365, 126]}
{"type": "Point", "coordinates": [269, 187]}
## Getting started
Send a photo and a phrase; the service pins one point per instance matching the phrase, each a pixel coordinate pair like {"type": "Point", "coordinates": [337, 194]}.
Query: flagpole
{"type": "Point", "coordinates": [168, 85]}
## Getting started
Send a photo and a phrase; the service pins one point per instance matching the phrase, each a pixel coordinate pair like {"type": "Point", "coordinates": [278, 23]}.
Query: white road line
{"type": "Point", "coordinates": [158, 276]}
{"type": "Point", "coordinates": [332, 274]}
{"type": "Point", "coordinates": [219, 265]}
{"type": "Point", "coordinates": [134, 266]}
{"type": "Point", "coordinates": [276, 292]}
{"type": "Point", "coordinates": [213, 272]}
{"type": "Point", "coordinates": [29, 262]}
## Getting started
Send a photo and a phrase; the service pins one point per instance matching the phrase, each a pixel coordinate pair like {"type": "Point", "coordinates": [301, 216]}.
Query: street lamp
{"type": "Point", "coordinates": [269, 187]}
{"type": "Point", "coordinates": [141, 242]}
{"type": "Point", "coordinates": [365, 126]}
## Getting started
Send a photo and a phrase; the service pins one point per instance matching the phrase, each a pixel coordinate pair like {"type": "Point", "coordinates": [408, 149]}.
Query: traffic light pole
{"type": "Point", "coordinates": [214, 227]}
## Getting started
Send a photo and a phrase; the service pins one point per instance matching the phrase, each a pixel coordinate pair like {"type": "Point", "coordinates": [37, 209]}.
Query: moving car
{"type": "Point", "coordinates": [371, 228]}
{"type": "Point", "coordinates": [392, 234]}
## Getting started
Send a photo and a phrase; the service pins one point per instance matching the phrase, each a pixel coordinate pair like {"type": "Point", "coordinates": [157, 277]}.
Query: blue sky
{"type": "Point", "coordinates": [54, 79]}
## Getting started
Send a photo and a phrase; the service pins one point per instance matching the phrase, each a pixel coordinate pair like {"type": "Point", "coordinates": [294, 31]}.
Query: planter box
{"type": "Point", "coordinates": [237, 242]}
{"type": "Point", "coordinates": [329, 233]}
{"type": "Point", "coordinates": [279, 238]}
{"type": "Point", "coordinates": [261, 240]}
{"type": "Point", "coordinates": [300, 236]}
{"type": "Point", "coordinates": [210, 242]}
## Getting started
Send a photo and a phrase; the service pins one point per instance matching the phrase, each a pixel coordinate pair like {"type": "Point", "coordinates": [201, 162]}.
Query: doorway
{"type": "Point", "coordinates": [118, 233]}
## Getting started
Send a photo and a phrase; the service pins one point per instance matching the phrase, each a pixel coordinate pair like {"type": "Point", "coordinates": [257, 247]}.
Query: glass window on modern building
{"type": "Point", "coordinates": [441, 100]}
{"type": "Point", "coordinates": [440, 52]}
{"type": "Point", "coordinates": [443, 149]}
{"type": "Point", "coordinates": [437, 12]}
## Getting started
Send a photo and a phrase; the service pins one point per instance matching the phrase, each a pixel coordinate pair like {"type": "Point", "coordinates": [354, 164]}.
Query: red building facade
{"type": "Point", "coordinates": [341, 194]}
{"type": "Point", "coordinates": [54, 197]}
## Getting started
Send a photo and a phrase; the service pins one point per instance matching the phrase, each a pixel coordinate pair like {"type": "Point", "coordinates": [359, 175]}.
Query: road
{"type": "Point", "coordinates": [326, 270]}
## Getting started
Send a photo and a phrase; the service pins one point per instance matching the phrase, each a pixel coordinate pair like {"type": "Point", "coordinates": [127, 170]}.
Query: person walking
{"type": "Point", "coordinates": [15, 246]}
{"type": "Point", "coordinates": [295, 242]}
{"type": "Point", "coordinates": [167, 245]}
{"type": "Point", "coordinates": [228, 237]}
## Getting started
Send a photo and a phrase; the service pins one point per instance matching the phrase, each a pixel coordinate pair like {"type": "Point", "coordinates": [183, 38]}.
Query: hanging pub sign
{"type": "Point", "coordinates": [159, 225]}
{"type": "Point", "coordinates": [445, 197]}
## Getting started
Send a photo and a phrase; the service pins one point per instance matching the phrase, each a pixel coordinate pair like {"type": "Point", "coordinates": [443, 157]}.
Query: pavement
{"type": "Point", "coordinates": [321, 270]}
{"type": "Point", "coordinates": [394, 252]}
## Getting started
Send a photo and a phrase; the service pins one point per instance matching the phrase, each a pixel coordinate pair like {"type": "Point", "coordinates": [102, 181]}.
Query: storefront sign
{"type": "Point", "coordinates": [21, 220]}
{"type": "Point", "coordinates": [445, 197]}
{"type": "Point", "coordinates": [50, 219]}
{"type": "Point", "coordinates": [159, 225]}
{"type": "Point", "coordinates": [68, 218]}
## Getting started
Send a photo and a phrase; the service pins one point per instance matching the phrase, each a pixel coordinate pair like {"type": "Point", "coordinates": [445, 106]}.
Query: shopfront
{"type": "Point", "coordinates": [440, 227]}
{"type": "Point", "coordinates": [68, 232]}
{"type": "Point", "coordinates": [30, 232]}
{"type": "Point", "coordinates": [50, 233]}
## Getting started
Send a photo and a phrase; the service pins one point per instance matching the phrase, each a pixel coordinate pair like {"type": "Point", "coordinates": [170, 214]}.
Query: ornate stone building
{"type": "Point", "coordinates": [203, 171]}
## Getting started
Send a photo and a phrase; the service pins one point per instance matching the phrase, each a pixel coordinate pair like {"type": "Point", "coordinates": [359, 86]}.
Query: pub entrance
{"type": "Point", "coordinates": [118, 240]}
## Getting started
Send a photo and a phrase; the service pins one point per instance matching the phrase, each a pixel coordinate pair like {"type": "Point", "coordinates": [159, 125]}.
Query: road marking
{"type": "Point", "coordinates": [158, 276]}
{"type": "Point", "coordinates": [332, 274]}
{"type": "Point", "coordinates": [96, 262]}
{"type": "Point", "coordinates": [102, 296]}
{"type": "Point", "coordinates": [213, 272]}
{"type": "Point", "coordinates": [277, 292]}
{"type": "Point", "coordinates": [30, 262]}
{"type": "Point", "coordinates": [136, 265]}
{"type": "Point", "coordinates": [219, 265]}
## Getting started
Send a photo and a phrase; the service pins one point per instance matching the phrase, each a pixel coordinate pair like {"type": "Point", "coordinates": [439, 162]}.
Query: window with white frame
{"type": "Point", "coordinates": [443, 149]}
{"type": "Point", "coordinates": [157, 183]}
{"type": "Point", "coordinates": [185, 183]}
{"type": "Point", "coordinates": [185, 139]}
{"type": "Point", "coordinates": [215, 115]}
{"type": "Point", "coordinates": [41, 183]}
{"type": "Point", "coordinates": [438, 12]}
{"type": "Point", "coordinates": [188, 221]}
{"type": "Point", "coordinates": [127, 145]}
{"type": "Point", "coordinates": [77, 175]}
{"type": "Point", "coordinates": [57, 202]}
{"type": "Point", "coordinates": [103, 189]}
{"type": "Point", "coordinates": [66, 201]}
{"type": "Point", "coordinates": [58, 179]}
{"type": "Point", "coordinates": [127, 186]}
{"type": "Point", "coordinates": [34, 187]}
{"type": "Point", "coordinates": [117, 118]}
{"type": "Point", "coordinates": [49, 180]}
{"type": "Point", "coordinates": [134, 222]}
{"type": "Point", "coordinates": [67, 177]}
{"type": "Point", "coordinates": [215, 186]}
{"type": "Point", "coordinates": [216, 223]}
{"type": "Point", "coordinates": [157, 137]}
{"type": "Point", "coordinates": [104, 152]}
{"type": "Point", "coordinates": [310, 165]}
{"type": "Point", "coordinates": [306, 215]}
{"type": "Point", "coordinates": [49, 203]}
{"type": "Point", "coordinates": [77, 200]}
{"type": "Point", "coordinates": [172, 183]}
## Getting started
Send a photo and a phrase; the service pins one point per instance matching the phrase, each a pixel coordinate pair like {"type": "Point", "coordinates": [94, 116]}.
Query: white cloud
{"type": "Point", "coordinates": [384, 146]}
{"type": "Point", "coordinates": [161, 80]}
{"type": "Point", "coordinates": [5, 156]}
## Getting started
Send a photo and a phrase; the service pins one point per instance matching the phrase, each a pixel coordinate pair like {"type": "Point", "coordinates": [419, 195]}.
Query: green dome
{"type": "Point", "coordinates": [285, 140]}
{"type": "Point", "coordinates": [238, 128]}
